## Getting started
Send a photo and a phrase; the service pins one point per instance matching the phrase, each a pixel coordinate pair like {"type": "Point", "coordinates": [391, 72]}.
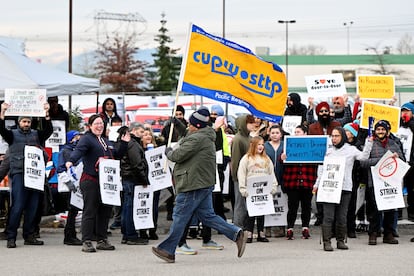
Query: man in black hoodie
{"type": "Point", "coordinates": [295, 107]}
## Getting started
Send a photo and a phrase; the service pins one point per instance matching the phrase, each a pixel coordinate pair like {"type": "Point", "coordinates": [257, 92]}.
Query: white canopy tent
{"type": "Point", "coordinates": [19, 71]}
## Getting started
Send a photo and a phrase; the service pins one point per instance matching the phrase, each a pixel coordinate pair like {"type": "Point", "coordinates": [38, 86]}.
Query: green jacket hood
{"type": "Point", "coordinates": [242, 125]}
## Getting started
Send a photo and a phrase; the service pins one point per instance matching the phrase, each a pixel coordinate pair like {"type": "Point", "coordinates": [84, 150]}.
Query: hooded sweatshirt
{"type": "Point", "coordinates": [240, 145]}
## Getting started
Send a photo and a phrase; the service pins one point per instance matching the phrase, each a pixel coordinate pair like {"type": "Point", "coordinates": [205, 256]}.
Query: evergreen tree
{"type": "Point", "coordinates": [166, 63]}
{"type": "Point", "coordinates": [117, 66]}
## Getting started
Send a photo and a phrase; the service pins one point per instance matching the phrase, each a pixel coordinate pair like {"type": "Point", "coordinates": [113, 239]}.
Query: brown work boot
{"type": "Point", "coordinates": [241, 242]}
{"type": "Point", "coordinates": [164, 255]}
{"type": "Point", "coordinates": [389, 238]}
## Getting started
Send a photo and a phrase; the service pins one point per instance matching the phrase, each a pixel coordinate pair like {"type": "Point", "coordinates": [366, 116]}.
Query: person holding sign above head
{"type": "Point", "coordinates": [337, 212]}
{"type": "Point", "coordinates": [93, 148]}
{"type": "Point", "coordinates": [255, 163]}
{"type": "Point", "coordinates": [195, 176]}
{"type": "Point", "coordinates": [342, 110]}
{"type": "Point", "coordinates": [23, 198]}
{"type": "Point", "coordinates": [382, 144]}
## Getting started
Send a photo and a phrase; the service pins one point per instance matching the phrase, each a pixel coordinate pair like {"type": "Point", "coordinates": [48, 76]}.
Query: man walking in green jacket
{"type": "Point", "coordinates": [195, 176]}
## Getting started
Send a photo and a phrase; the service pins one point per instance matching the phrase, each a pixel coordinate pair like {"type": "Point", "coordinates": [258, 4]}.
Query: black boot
{"type": "Point", "coordinates": [31, 240]}
{"type": "Point", "coordinates": [153, 234]}
{"type": "Point", "coordinates": [340, 237]}
{"type": "Point", "coordinates": [326, 237]}
{"type": "Point", "coordinates": [70, 237]}
{"type": "Point", "coordinates": [72, 240]}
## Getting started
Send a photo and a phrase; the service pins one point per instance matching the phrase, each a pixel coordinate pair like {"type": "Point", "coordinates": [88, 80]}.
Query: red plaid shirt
{"type": "Point", "coordinates": [297, 176]}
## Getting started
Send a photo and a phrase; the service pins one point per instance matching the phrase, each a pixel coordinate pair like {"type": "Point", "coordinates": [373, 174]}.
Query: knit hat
{"type": "Point", "coordinates": [23, 117]}
{"type": "Point", "coordinates": [383, 123]}
{"type": "Point", "coordinates": [180, 108]}
{"type": "Point", "coordinates": [217, 109]}
{"type": "Point", "coordinates": [408, 106]}
{"type": "Point", "coordinates": [70, 135]}
{"type": "Point", "coordinates": [320, 106]}
{"type": "Point", "coordinates": [352, 127]}
{"type": "Point", "coordinates": [200, 118]}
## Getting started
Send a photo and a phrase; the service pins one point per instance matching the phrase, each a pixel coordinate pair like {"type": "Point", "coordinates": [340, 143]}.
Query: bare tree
{"type": "Point", "coordinates": [307, 50]}
{"type": "Point", "coordinates": [380, 58]}
{"type": "Point", "coordinates": [405, 45]}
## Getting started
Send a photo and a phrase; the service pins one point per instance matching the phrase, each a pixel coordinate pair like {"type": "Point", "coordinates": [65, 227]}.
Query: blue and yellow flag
{"type": "Point", "coordinates": [228, 72]}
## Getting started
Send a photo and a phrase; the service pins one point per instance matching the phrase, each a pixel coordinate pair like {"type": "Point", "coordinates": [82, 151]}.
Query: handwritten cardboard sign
{"type": "Point", "coordinates": [25, 102]}
{"type": "Point", "coordinates": [376, 87]}
{"type": "Point", "coordinates": [380, 112]}
{"type": "Point", "coordinates": [305, 149]}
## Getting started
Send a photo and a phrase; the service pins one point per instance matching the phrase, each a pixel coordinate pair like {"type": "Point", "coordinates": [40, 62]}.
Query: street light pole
{"type": "Point", "coordinates": [70, 51]}
{"type": "Point", "coordinates": [348, 25]}
{"type": "Point", "coordinates": [287, 22]}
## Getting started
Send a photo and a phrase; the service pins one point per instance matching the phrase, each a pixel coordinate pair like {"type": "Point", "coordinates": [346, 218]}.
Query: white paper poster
{"type": "Point", "coordinates": [259, 200]}
{"type": "Point", "coordinates": [330, 184]}
{"type": "Point", "coordinates": [226, 182]}
{"type": "Point", "coordinates": [159, 174]}
{"type": "Point", "coordinates": [329, 85]}
{"type": "Point", "coordinates": [290, 123]}
{"type": "Point", "coordinates": [217, 187]}
{"type": "Point", "coordinates": [113, 133]}
{"type": "Point", "coordinates": [387, 177]}
{"type": "Point", "coordinates": [76, 198]}
{"type": "Point", "coordinates": [390, 169]}
{"type": "Point", "coordinates": [58, 136]}
{"type": "Point", "coordinates": [280, 203]}
{"type": "Point", "coordinates": [406, 138]}
{"type": "Point", "coordinates": [143, 199]}
{"type": "Point", "coordinates": [34, 168]}
{"type": "Point", "coordinates": [110, 181]}
{"type": "Point", "coordinates": [388, 195]}
{"type": "Point", "coordinates": [25, 102]}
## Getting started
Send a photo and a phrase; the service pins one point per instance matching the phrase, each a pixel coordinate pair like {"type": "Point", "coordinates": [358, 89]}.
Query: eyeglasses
{"type": "Point", "coordinates": [324, 111]}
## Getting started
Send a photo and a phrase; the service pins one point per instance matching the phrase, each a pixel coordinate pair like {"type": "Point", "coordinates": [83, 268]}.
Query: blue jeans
{"type": "Point", "coordinates": [127, 219]}
{"type": "Point", "coordinates": [199, 203]}
{"type": "Point", "coordinates": [22, 199]}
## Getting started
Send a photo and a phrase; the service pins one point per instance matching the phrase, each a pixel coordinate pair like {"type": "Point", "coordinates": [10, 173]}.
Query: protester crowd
{"type": "Point", "coordinates": [206, 143]}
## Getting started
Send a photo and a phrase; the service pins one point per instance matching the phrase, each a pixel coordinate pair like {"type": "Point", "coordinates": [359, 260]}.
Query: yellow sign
{"type": "Point", "coordinates": [376, 87]}
{"type": "Point", "coordinates": [225, 71]}
{"type": "Point", "coordinates": [380, 112]}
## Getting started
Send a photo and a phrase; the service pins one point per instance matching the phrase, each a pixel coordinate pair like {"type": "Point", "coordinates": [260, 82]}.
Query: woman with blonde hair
{"type": "Point", "coordinates": [255, 163]}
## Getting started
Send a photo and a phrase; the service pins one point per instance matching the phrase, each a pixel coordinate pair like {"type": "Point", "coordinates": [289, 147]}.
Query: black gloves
{"type": "Point", "coordinates": [71, 186]}
{"type": "Point", "coordinates": [168, 149]}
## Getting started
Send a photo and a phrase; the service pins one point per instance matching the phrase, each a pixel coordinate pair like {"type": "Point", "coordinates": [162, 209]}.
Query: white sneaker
{"type": "Point", "coordinates": [212, 245]}
{"type": "Point", "coordinates": [185, 250]}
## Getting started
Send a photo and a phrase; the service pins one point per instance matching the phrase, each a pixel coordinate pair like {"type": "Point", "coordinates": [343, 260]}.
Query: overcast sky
{"type": "Point", "coordinates": [44, 23]}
